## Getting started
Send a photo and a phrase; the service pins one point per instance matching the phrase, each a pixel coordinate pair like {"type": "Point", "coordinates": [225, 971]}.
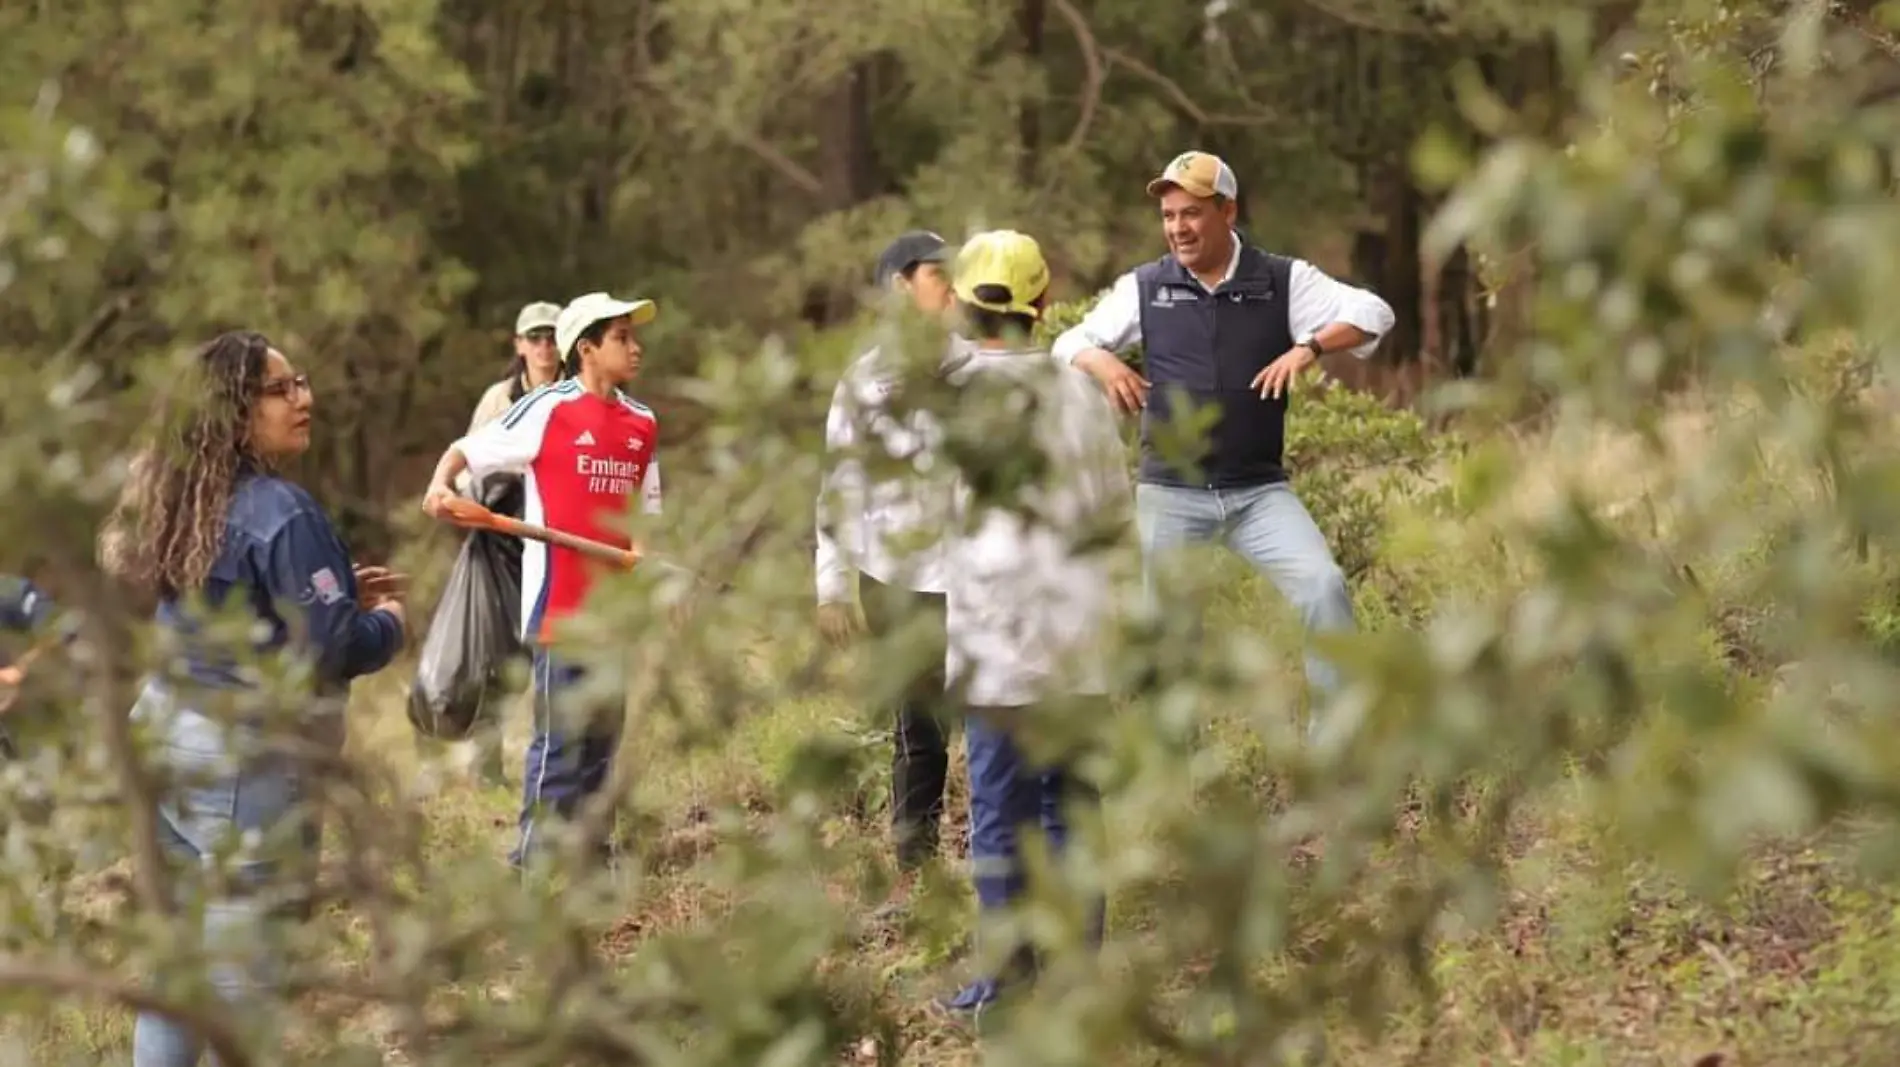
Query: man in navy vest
{"type": "Point", "coordinates": [1227, 325]}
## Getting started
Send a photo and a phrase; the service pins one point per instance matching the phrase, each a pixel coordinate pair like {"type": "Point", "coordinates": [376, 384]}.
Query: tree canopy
{"type": "Point", "coordinates": [1667, 221]}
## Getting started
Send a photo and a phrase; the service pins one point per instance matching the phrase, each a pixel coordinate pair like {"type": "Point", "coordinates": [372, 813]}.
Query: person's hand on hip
{"type": "Point", "coordinates": [1127, 390]}
{"type": "Point", "coordinates": [1277, 379]}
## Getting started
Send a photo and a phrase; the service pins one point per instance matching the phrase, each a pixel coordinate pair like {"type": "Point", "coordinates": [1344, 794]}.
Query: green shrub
{"type": "Point", "coordinates": [1351, 455]}
{"type": "Point", "coordinates": [1580, 682]}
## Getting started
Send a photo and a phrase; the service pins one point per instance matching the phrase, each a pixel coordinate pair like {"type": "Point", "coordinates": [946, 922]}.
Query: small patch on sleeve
{"type": "Point", "coordinates": [325, 585]}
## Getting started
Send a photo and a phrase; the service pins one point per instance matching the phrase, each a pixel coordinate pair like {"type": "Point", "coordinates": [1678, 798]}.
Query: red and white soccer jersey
{"type": "Point", "coordinates": [582, 457]}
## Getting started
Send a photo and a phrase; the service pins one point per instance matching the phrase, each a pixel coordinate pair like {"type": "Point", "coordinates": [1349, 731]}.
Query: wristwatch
{"type": "Point", "coordinates": [1311, 343]}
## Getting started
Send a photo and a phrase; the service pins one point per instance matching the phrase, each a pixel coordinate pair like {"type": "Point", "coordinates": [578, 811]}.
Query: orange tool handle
{"type": "Point", "coordinates": [470, 515]}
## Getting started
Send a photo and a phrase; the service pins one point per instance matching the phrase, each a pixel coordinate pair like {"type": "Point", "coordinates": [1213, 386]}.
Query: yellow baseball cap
{"type": "Point", "coordinates": [1198, 174]}
{"type": "Point", "coordinates": [1002, 271]}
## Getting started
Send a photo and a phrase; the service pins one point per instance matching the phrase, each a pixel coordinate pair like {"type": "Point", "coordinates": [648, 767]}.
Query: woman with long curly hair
{"type": "Point", "coordinates": [208, 528]}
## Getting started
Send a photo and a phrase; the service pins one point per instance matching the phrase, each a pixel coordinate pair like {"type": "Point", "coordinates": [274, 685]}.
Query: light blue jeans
{"type": "Point", "coordinates": [1269, 527]}
{"type": "Point", "coordinates": [251, 806]}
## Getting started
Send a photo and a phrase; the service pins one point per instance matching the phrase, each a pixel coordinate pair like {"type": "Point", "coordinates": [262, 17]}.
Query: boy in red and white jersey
{"type": "Point", "coordinates": [584, 448]}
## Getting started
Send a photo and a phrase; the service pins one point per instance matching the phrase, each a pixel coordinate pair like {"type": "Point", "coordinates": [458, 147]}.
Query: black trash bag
{"type": "Point", "coordinates": [475, 630]}
{"type": "Point", "coordinates": [507, 494]}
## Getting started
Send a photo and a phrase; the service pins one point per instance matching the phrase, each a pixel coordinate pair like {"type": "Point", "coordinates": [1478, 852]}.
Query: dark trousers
{"type": "Point", "coordinates": [570, 756]}
{"type": "Point", "coordinates": [909, 627]}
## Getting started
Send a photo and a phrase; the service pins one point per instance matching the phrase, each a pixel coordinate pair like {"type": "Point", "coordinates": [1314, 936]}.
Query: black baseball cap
{"type": "Point", "coordinates": [910, 249]}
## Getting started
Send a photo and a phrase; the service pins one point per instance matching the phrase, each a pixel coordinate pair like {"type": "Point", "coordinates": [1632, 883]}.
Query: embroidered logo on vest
{"type": "Point", "coordinates": [1166, 296]}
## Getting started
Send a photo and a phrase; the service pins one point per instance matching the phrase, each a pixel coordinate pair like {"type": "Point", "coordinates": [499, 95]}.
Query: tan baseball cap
{"type": "Point", "coordinates": [540, 315]}
{"type": "Point", "coordinates": [1199, 174]}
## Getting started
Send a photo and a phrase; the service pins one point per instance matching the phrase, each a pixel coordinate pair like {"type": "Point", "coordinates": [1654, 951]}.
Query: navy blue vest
{"type": "Point", "coordinates": [1208, 347]}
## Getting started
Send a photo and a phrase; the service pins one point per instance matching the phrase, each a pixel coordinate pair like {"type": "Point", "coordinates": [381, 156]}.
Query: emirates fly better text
{"type": "Point", "coordinates": [615, 477]}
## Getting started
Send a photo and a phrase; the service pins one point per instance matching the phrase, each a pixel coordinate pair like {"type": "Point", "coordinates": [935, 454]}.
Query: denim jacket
{"type": "Point", "coordinates": [282, 554]}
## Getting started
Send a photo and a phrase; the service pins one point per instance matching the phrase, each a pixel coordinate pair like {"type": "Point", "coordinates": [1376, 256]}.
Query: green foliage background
{"type": "Point", "coordinates": [1617, 707]}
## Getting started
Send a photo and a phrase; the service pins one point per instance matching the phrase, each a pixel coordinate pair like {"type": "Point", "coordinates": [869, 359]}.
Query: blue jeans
{"type": "Point", "coordinates": [1269, 527]}
{"type": "Point", "coordinates": [1010, 794]}
{"type": "Point", "coordinates": [257, 804]}
{"type": "Point", "coordinates": [572, 751]}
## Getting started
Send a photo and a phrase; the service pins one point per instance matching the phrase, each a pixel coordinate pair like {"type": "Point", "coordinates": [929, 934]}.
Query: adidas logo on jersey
{"type": "Point", "coordinates": [585, 439]}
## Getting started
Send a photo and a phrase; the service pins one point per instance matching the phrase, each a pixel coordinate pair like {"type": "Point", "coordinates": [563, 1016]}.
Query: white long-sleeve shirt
{"type": "Point", "coordinates": [1027, 608]}
{"type": "Point", "coordinates": [1315, 300]}
{"type": "Point", "coordinates": [891, 530]}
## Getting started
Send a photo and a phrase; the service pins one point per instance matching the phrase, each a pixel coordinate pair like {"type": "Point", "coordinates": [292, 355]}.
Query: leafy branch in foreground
{"type": "Point", "coordinates": [1267, 897]}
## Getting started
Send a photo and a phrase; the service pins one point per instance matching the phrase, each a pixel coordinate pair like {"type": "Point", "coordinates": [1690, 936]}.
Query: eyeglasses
{"type": "Point", "coordinates": [541, 334]}
{"type": "Point", "coordinates": [287, 387]}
